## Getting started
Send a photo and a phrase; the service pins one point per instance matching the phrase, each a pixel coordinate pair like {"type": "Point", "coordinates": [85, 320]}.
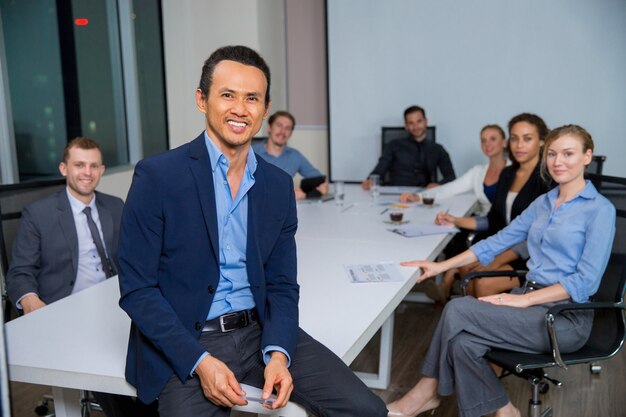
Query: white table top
{"type": "Point", "coordinates": [344, 315]}
{"type": "Point", "coordinates": [80, 341]}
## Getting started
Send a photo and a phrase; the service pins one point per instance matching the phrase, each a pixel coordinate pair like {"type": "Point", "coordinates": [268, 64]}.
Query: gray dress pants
{"type": "Point", "coordinates": [467, 330]}
{"type": "Point", "coordinates": [323, 384]}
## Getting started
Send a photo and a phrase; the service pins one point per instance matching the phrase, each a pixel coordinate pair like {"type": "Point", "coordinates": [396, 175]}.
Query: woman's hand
{"type": "Point", "coordinates": [429, 269]}
{"type": "Point", "coordinates": [506, 299]}
{"type": "Point", "coordinates": [444, 218]}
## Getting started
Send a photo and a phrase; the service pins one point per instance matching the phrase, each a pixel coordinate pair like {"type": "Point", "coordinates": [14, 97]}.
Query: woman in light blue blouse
{"type": "Point", "coordinates": [570, 232]}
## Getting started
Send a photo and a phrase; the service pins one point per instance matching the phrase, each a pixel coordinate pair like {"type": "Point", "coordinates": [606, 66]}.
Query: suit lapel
{"type": "Point", "coordinates": [256, 208]}
{"type": "Point", "coordinates": [66, 220]}
{"type": "Point", "coordinates": [201, 170]}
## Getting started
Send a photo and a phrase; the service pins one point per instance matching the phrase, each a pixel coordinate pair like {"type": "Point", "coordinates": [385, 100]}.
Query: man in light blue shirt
{"type": "Point", "coordinates": [275, 151]}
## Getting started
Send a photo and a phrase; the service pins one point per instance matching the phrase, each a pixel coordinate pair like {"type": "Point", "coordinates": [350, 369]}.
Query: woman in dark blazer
{"type": "Point", "coordinates": [519, 184]}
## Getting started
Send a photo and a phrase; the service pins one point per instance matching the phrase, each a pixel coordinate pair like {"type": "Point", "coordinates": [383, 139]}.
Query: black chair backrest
{"type": "Point", "coordinates": [389, 134]}
{"type": "Point", "coordinates": [258, 139]}
{"type": "Point", "coordinates": [596, 165]}
{"type": "Point", "coordinates": [609, 326]}
{"type": "Point", "coordinates": [13, 198]}
{"type": "Point", "coordinates": [392, 133]}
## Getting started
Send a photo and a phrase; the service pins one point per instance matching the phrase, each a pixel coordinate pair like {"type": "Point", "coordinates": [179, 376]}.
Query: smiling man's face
{"type": "Point", "coordinates": [235, 106]}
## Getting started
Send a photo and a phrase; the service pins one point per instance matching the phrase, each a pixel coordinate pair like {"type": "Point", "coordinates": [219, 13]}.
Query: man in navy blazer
{"type": "Point", "coordinates": [208, 268]}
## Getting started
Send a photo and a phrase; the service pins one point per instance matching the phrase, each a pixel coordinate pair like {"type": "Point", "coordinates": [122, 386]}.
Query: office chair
{"type": "Point", "coordinates": [13, 198]}
{"type": "Point", "coordinates": [391, 133]}
{"type": "Point", "coordinates": [609, 325]}
{"type": "Point", "coordinates": [258, 139]}
{"type": "Point", "coordinates": [596, 165]}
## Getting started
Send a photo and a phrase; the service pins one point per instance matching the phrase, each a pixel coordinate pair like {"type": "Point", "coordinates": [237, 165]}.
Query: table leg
{"type": "Point", "coordinates": [381, 379]}
{"type": "Point", "coordinates": [66, 402]}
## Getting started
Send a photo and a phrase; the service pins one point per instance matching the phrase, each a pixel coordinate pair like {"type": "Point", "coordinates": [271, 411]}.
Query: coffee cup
{"type": "Point", "coordinates": [428, 199]}
{"type": "Point", "coordinates": [396, 216]}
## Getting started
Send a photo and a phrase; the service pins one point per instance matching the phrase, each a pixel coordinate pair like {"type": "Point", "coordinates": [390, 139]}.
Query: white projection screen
{"type": "Point", "coordinates": [471, 63]}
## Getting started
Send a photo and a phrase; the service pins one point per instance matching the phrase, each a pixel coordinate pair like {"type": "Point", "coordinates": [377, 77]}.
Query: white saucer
{"type": "Point", "coordinates": [395, 223]}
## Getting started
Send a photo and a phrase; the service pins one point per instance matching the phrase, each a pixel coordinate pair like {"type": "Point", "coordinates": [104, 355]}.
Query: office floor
{"type": "Point", "coordinates": [582, 394]}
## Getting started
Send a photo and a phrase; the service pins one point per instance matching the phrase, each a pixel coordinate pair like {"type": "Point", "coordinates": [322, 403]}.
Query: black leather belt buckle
{"type": "Point", "coordinates": [233, 321]}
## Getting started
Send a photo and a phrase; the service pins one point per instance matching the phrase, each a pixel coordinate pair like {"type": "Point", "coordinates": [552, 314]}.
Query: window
{"type": "Point", "coordinates": [82, 68]}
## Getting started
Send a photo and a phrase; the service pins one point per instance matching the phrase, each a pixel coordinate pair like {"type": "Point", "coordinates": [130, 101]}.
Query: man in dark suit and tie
{"type": "Point", "coordinates": [68, 242]}
{"type": "Point", "coordinates": [208, 268]}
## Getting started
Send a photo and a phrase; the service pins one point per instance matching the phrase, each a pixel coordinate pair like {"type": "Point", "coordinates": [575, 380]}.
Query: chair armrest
{"type": "Point", "coordinates": [558, 309]}
{"type": "Point", "coordinates": [490, 274]}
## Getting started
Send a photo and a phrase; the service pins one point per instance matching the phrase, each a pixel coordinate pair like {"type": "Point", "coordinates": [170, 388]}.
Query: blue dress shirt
{"type": "Point", "coordinates": [570, 245]}
{"type": "Point", "coordinates": [291, 161]}
{"type": "Point", "coordinates": [233, 290]}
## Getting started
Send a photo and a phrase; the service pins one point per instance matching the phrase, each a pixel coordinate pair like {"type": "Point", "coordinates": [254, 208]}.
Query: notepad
{"type": "Point", "coordinates": [423, 230]}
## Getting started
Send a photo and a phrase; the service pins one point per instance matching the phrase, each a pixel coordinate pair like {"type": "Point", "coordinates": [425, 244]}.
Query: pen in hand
{"type": "Point", "coordinates": [441, 218]}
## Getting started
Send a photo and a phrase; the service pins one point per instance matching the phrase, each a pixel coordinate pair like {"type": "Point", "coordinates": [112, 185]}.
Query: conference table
{"type": "Point", "coordinates": [80, 341]}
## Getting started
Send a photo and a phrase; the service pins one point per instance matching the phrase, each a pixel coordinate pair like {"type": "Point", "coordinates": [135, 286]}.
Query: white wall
{"type": "Point", "coordinates": [117, 181]}
{"type": "Point", "coordinates": [470, 63]}
{"type": "Point", "coordinates": [193, 29]}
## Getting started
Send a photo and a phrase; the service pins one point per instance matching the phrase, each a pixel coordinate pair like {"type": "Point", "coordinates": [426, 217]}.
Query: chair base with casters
{"type": "Point", "coordinates": [87, 405]}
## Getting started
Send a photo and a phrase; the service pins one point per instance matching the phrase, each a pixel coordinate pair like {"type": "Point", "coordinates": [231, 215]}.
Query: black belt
{"type": "Point", "coordinates": [231, 321]}
{"type": "Point", "coordinates": [532, 286]}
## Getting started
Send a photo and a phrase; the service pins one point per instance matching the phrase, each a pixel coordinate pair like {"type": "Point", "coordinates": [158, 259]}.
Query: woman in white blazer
{"type": "Point", "coordinates": [481, 179]}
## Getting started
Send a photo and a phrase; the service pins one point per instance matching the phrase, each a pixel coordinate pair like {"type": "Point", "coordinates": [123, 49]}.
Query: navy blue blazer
{"type": "Point", "coordinates": [169, 262]}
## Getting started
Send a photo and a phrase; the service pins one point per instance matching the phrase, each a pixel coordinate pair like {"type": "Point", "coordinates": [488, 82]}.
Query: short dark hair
{"type": "Point", "coordinates": [237, 53]}
{"type": "Point", "coordinates": [414, 109]}
{"type": "Point", "coordinates": [80, 142]}
{"type": "Point", "coordinates": [282, 113]}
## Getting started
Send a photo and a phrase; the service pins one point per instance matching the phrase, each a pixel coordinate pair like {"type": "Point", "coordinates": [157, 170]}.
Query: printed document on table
{"type": "Point", "coordinates": [423, 230]}
{"type": "Point", "coordinates": [380, 272]}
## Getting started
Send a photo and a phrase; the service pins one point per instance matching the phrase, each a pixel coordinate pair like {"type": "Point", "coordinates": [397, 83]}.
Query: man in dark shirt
{"type": "Point", "coordinates": [414, 160]}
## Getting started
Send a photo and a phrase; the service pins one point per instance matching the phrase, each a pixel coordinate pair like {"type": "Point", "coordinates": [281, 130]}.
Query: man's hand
{"type": "Point", "coordinates": [323, 188]}
{"type": "Point", "coordinates": [409, 198]}
{"type": "Point", "coordinates": [366, 185]}
{"type": "Point", "coordinates": [31, 303]}
{"type": "Point", "coordinates": [278, 377]}
{"type": "Point", "coordinates": [432, 185]}
{"type": "Point", "coordinates": [218, 383]}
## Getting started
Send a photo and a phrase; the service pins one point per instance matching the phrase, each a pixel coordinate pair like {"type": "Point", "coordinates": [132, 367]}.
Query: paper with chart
{"type": "Point", "coordinates": [423, 230]}
{"type": "Point", "coordinates": [379, 272]}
